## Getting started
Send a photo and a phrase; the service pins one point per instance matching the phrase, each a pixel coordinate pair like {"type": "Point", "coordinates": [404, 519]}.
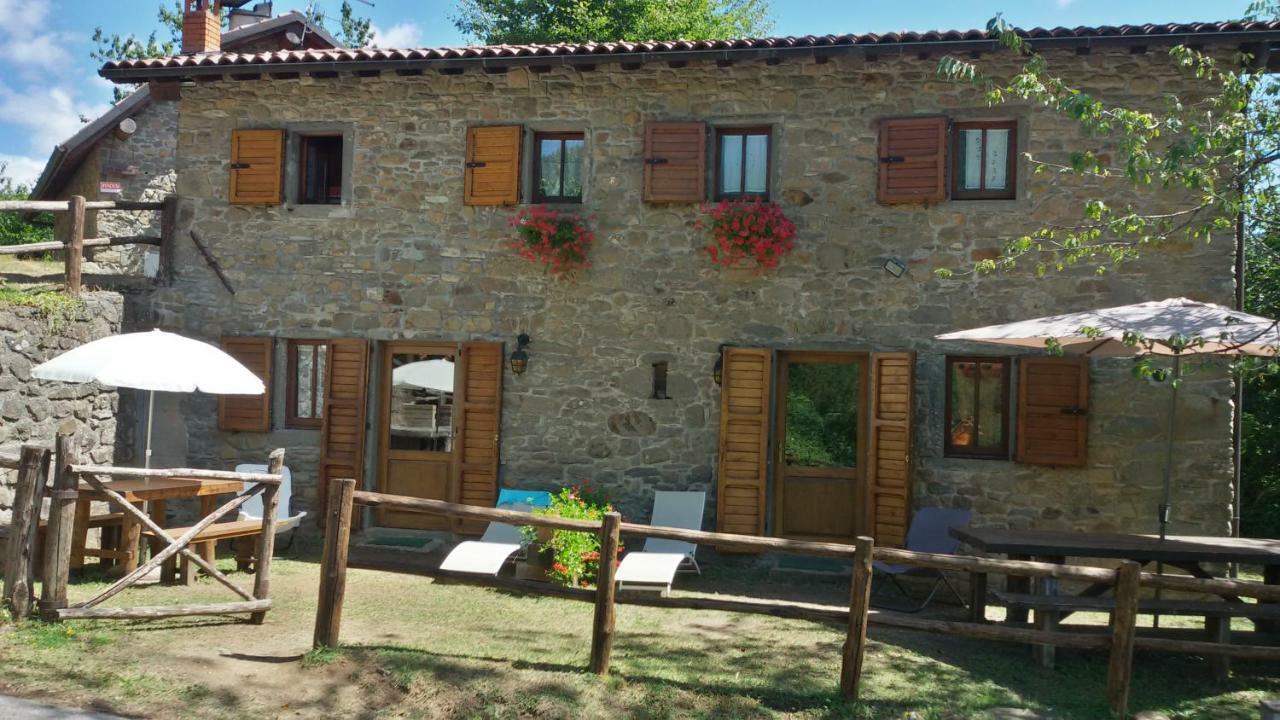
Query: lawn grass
{"type": "Point", "coordinates": [416, 648]}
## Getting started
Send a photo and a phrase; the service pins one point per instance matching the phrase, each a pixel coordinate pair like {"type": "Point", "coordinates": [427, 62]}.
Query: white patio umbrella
{"type": "Point", "coordinates": [436, 374]}
{"type": "Point", "coordinates": [152, 361]}
{"type": "Point", "coordinates": [1173, 327]}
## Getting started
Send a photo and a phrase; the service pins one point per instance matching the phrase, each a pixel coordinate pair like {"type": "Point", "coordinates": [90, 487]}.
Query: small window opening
{"type": "Point", "coordinates": [660, 381]}
{"type": "Point", "coordinates": [321, 170]}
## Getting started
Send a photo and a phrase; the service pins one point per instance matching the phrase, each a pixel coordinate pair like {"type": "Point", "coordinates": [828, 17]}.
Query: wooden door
{"type": "Point", "coordinates": [819, 433]}
{"type": "Point", "coordinates": [479, 422]}
{"type": "Point", "coordinates": [416, 421]}
{"type": "Point", "coordinates": [342, 434]}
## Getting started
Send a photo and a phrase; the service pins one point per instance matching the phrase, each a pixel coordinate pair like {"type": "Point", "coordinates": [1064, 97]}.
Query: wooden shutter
{"type": "Point", "coordinates": [1053, 404]}
{"type": "Point", "coordinates": [492, 175]}
{"type": "Point", "coordinates": [889, 446]}
{"type": "Point", "coordinates": [248, 413]}
{"type": "Point", "coordinates": [744, 440]}
{"type": "Point", "coordinates": [913, 160]}
{"type": "Point", "coordinates": [257, 167]}
{"type": "Point", "coordinates": [478, 429]}
{"type": "Point", "coordinates": [675, 162]}
{"type": "Point", "coordinates": [342, 434]}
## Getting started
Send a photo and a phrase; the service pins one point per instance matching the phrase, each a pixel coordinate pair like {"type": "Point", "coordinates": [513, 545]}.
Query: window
{"type": "Point", "coordinates": [742, 163]}
{"type": "Point", "coordinates": [557, 167]}
{"type": "Point", "coordinates": [984, 163]}
{"type": "Point", "coordinates": [977, 410]}
{"type": "Point", "coordinates": [320, 170]}
{"type": "Point", "coordinates": [305, 397]}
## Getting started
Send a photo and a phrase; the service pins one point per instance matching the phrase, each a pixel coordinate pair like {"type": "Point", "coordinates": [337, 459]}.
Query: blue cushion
{"type": "Point", "coordinates": [532, 498]}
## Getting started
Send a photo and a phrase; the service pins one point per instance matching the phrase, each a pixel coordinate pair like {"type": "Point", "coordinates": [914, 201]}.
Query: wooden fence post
{"type": "Point", "coordinates": [267, 540]}
{"type": "Point", "coordinates": [859, 605]}
{"type": "Point", "coordinates": [606, 590]}
{"type": "Point", "coordinates": [74, 243]}
{"type": "Point", "coordinates": [57, 537]}
{"type": "Point", "coordinates": [19, 568]}
{"type": "Point", "coordinates": [168, 238]}
{"type": "Point", "coordinates": [333, 563]}
{"type": "Point", "coordinates": [1123, 633]}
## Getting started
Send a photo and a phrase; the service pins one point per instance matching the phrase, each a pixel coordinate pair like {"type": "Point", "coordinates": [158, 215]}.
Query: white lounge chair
{"type": "Point", "coordinates": [487, 555]}
{"type": "Point", "coordinates": [655, 567]}
{"type": "Point", "coordinates": [252, 508]}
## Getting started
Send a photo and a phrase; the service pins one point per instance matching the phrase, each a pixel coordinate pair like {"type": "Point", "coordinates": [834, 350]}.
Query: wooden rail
{"type": "Point", "coordinates": [1119, 639]}
{"type": "Point", "coordinates": [266, 478]}
{"type": "Point", "coordinates": [73, 242]}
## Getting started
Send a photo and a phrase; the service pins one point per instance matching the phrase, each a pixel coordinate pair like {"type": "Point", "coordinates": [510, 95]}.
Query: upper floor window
{"type": "Point", "coordinates": [742, 163]}
{"type": "Point", "coordinates": [320, 170]}
{"type": "Point", "coordinates": [984, 165]}
{"type": "Point", "coordinates": [557, 167]}
{"type": "Point", "coordinates": [977, 407]}
{"type": "Point", "coordinates": [304, 400]}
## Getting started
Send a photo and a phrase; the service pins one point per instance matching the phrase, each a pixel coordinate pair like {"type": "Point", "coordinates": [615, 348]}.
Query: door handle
{"type": "Point", "coordinates": [1077, 411]}
{"type": "Point", "coordinates": [476, 164]}
{"type": "Point", "coordinates": [240, 166]}
{"type": "Point", "coordinates": [656, 161]}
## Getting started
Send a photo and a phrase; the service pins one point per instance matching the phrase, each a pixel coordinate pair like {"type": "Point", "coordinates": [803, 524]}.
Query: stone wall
{"type": "Point", "coordinates": [32, 411]}
{"type": "Point", "coordinates": [406, 260]}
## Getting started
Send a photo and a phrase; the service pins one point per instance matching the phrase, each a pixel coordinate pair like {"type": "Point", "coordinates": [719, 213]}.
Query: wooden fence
{"type": "Point", "coordinates": [73, 242]}
{"type": "Point", "coordinates": [63, 494]}
{"type": "Point", "coordinates": [1120, 639]}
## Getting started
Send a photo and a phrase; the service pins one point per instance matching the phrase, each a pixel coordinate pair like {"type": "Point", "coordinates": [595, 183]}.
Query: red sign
{"type": "Point", "coordinates": [110, 187]}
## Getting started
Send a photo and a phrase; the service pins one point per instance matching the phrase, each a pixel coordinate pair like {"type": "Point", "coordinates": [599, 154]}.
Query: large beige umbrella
{"type": "Point", "coordinates": [1174, 327]}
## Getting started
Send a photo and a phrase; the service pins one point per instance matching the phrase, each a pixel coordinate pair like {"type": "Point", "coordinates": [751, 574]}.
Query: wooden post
{"type": "Point", "coordinates": [978, 597]}
{"type": "Point", "coordinates": [168, 238]}
{"type": "Point", "coordinates": [75, 243]}
{"type": "Point", "coordinates": [57, 538]}
{"type": "Point", "coordinates": [267, 540]}
{"type": "Point", "coordinates": [859, 605]}
{"type": "Point", "coordinates": [1124, 620]}
{"type": "Point", "coordinates": [606, 590]}
{"type": "Point", "coordinates": [333, 562]}
{"type": "Point", "coordinates": [19, 568]}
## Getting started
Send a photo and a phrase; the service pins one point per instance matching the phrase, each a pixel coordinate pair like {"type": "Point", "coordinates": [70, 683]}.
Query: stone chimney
{"type": "Point", "coordinates": [201, 26]}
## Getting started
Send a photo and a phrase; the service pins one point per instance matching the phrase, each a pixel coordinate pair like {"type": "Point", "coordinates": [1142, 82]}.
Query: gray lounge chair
{"type": "Point", "coordinates": [655, 567]}
{"type": "Point", "coordinates": [930, 532]}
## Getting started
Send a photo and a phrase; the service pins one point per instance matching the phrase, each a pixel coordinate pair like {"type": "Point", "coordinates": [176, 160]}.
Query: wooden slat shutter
{"type": "Point", "coordinates": [342, 434]}
{"type": "Point", "coordinates": [744, 440]}
{"type": "Point", "coordinates": [913, 160]}
{"type": "Point", "coordinates": [492, 175]}
{"type": "Point", "coordinates": [478, 429]}
{"type": "Point", "coordinates": [675, 162]}
{"type": "Point", "coordinates": [892, 400]}
{"type": "Point", "coordinates": [248, 413]}
{"type": "Point", "coordinates": [257, 167]}
{"type": "Point", "coordinates": [1053, 404]}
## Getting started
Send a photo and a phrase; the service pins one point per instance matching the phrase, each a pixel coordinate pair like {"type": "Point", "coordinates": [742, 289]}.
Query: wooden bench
{"type": "Point", "coordinates": [1217, 614]}
{"type": "Point", "coordinates": [241, 531]}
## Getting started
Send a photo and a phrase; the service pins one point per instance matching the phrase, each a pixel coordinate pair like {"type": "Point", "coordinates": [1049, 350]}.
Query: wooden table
{"type": "Point", "coordinates": [1185, 552]}
{"type": "Point", "coordinates": [156, 491]}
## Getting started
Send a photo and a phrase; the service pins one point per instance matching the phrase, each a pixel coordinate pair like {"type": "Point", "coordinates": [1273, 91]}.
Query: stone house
{"type": "Point", "coordinates": [129, 152]}
{"type": "Point", "coordinates": [360, 202]}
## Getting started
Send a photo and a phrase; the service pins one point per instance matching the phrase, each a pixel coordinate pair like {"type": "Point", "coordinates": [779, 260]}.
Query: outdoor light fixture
{"type": "Point", "coordinates": [895, 267]}
{"type": "Point", "coordinates": [520, 358]}
{"type": "Point", "coordinates": [717, 371]}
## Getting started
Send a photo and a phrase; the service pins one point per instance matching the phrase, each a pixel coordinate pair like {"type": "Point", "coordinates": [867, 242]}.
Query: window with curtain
{"type": "Point", "coordinates": [977, 407]}
{"type": "Point", "coordinates": [305, 397]}
{"type": "Point", "coordinates": [320, 171]}
{"type": "Point", "coordinates": [557, 168]}
{"type": "Point", "coordinates": [984, 163]}
{"type": "Point", "coordinates": [743, 163]}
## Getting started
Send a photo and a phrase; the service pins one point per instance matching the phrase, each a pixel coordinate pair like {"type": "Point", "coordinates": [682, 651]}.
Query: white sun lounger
{"type": "Point", "coordinates": [487, 555]}
{"type": "Point", "coordinates": [655, 567]}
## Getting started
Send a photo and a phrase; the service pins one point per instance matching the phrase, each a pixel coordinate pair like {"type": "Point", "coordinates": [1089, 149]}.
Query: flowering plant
{"type": "Point", "coordinates": [742, 230]}
{"type": "Point", "coordinates": [558, 240]}
{"type": "Point", "coordinates": [575, 555]}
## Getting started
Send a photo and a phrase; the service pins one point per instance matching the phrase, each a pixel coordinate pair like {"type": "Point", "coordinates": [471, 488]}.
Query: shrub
{"type": "Point", "coordinates": [575, 556]}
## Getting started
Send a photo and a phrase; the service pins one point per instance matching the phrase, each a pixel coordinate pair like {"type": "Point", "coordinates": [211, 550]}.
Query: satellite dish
{"type": "Point", "coordinates": [293, 38]}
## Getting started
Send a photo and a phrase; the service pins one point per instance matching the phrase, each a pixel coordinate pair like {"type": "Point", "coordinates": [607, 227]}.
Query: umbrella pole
{"type": "Point", "coordinates": [151, 410]}
{"type": "Point", "coordinates": [1168, 468]}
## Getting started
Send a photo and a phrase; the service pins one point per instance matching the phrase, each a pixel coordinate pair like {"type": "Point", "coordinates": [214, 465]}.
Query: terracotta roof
{"type": "Point", "coordinates": [588, 53]}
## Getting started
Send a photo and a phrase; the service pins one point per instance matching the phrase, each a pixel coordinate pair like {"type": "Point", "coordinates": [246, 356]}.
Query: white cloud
{"type": "Point", "coordinates": [22, 170]}
{"type": "Point", "coordinates": [401, 35]}
{"type": "Point", "coordinates": [49, 115]}
{"type": "Point", "coordinates": [19, 17]}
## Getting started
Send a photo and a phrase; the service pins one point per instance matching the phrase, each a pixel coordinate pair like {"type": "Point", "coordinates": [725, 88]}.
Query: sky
{"type": "Point", "coordinates": [49, 82]}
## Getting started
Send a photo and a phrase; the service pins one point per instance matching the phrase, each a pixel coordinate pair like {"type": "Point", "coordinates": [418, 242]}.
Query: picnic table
{"type": "Point", "coordinates": [157, 492]}
{"type": "Point", "coordinates": [1189, 553]}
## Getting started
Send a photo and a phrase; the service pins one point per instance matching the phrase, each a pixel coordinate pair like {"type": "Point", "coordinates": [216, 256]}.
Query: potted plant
{"type": "Point", "coordinates": [565, 556]}
{"type": "Point", "coordinates": [558, 240]}
{"type": "Point", "coordinates": [747, 231]}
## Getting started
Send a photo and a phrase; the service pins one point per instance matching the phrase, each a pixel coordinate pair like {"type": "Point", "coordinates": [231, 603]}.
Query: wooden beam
{"type": "Point", "coordinates": [470, 512]}
{"type": "Point", "coordinates": [58, 245]}
{"type": "Point", "coordinates": [602, 624]}
{"type": "Point", "coordinates": [409, 72]}
{"type": "Point", "coordinates": [333, 563]}
{"type": "Point", "coordinates": [212, 262]}
{"type": "Point", "coordinates": [185, 473]}
{"type": "Point", "coordinates": [163, 611]}
{"type": "Point", "coordinates": [267, 537]}
{"type": "Point", "coordinates": [19, 568]}
{"type": "Point", "coordinates": [1123, 632]}
{"type": "Point", "coordinates": [168, 237]}
{"type": "Point", "coordinates": [856, 634]}
{"type": "Point", "coordinates": [1002, 633]}
{"type": "Point", "coordinates": [74, 257]}
{"type": "Point", "coordinates": [57, 537]}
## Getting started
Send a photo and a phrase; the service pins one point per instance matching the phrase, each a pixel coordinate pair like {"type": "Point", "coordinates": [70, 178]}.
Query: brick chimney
{"type": "Point", "coordinates": [201, 26]}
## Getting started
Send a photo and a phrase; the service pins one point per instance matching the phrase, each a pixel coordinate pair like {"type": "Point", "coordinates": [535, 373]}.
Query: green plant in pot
{"type": "Point", "coordinates": [574, 556]}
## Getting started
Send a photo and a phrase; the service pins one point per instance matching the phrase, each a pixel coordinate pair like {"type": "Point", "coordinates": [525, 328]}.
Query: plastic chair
{"type": "Point", "coordinates": [930, 533]}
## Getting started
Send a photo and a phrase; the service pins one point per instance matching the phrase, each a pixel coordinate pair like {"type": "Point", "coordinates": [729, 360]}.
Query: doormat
{"type": "Point", "coordinates": [812, 564]}
{"type": "Point", "coordinates": [409, 542]}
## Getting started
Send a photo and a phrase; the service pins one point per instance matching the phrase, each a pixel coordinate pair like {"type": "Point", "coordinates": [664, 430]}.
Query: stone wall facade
{"type": "Point", "coordinates": [32, 411]}
{"type": "Point", "coordinates": [405, 259]}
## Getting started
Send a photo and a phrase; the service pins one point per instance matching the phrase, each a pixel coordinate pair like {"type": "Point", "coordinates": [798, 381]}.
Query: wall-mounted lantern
{"type": "Point", "coordinates": [519, 357]}
{"type": "Point", "coordinates": [717, 370]}
{"type": "Point", "coordinates": [895, 267]}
